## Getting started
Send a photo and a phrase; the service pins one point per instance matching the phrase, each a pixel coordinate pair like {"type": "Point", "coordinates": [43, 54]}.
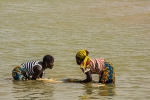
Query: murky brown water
{"type": "Point", "coordinates": [116, 30]}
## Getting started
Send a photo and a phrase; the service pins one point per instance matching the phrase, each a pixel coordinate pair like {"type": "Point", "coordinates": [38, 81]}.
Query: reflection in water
{"type": "Point", "coordinates": [32, 89]}
{"type": "Point", "coordinates": [107, 90]}
{"type": "Point", "coordinates": [93, 90]}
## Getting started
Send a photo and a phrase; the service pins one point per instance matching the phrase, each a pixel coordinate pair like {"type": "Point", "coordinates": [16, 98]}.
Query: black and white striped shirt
{"type": "Point", "coordinates": [29, 67]}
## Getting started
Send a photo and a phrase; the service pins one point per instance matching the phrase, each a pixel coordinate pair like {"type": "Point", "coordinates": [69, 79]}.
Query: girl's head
{"type": "Point", "coordinates": [48, 61]}
{"type": "Point", "coordinates": [80, 56]}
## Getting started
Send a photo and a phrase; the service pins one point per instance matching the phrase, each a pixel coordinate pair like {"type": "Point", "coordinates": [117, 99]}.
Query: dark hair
{"type": "Point", "coordinates": [47, 58]}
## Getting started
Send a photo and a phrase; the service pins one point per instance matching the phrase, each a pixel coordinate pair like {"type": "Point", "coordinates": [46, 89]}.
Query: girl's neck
{"type": "Point", "coordinates": [42, 64]}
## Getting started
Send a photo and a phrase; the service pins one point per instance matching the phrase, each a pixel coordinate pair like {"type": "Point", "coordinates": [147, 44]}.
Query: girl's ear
{"type": "Point", "coordinates": [87, 52]}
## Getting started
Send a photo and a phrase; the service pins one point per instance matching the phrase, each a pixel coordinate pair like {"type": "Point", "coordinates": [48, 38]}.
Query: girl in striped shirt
{"type": "Point", "coordinates": [33, 69]}
{"type": "Point", "coordinates": [99, 66]}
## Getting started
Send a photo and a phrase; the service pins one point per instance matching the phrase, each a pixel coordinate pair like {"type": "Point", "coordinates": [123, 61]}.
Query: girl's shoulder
{"type": "Point", "coordinates": [95, 60]}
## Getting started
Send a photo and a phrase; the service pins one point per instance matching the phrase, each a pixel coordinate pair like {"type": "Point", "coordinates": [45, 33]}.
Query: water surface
{"type": "Point", "coordinates": [116, 30]}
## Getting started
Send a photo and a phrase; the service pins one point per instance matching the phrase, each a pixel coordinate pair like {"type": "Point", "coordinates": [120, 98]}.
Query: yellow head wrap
{"type": "Point", "coordinates": [83, 54]}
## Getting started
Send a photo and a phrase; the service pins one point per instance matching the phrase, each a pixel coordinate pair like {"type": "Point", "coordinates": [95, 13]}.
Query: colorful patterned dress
{"type": "Point", "coordinates": [25, 70]}
{"type": "Point", "coordinates": [99, 66]}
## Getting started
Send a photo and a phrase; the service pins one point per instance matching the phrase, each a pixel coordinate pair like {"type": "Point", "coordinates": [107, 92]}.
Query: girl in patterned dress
{"type": "Point", "coordinates": [32, 69]}
{"type": "Point", "coordinates": [99, 66]}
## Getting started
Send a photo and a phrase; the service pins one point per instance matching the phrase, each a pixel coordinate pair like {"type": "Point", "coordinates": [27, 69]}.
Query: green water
{"type": "Point", "coordinates": [116, 30]}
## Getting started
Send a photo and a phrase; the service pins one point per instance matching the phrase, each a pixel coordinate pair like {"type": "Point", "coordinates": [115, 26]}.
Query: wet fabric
{"type": "Point", "coordinates": [25, 70]}
{"type": "Point", "coordinates": [95, 66]}
{"type": "Point", "coordinates": [18, 73]}
{"type": "Point", "coordinates": [108, 74]}
{"type": "Point", "coordinates": [29, 67]}
{"type": "Point", "coordinates": [100, 66]}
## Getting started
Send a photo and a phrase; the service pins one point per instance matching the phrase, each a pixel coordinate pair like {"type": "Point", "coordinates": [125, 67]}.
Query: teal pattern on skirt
{"type": "Point", "coordinates": [18, 73]}
{"type": "Point", "coordinates": [108, 75]}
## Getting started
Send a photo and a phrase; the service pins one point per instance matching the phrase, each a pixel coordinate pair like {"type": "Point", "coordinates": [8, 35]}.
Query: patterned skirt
{"type": "Point", "coordinates": [108, 74]}
{"type": "Point", "coordinates": [18, 73]}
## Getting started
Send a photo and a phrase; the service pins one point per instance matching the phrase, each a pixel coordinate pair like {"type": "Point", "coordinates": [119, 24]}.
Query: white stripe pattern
{"type": "Point", "coordinates": [29, 67]}
{"type": "Point", "coordinates": [97, 65]}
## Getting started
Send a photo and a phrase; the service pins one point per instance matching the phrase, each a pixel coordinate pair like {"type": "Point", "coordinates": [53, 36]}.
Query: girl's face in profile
{"type": "Point", "coordinates": [50, 64]}
{"type": "Point", "coordinates": [78, 60]}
